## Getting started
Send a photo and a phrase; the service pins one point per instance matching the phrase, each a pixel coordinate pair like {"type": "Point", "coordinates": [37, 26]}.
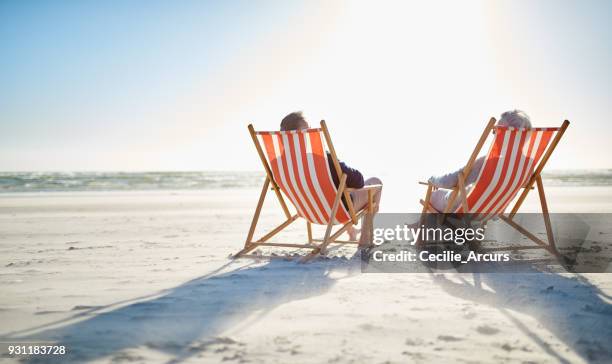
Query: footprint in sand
{"type": "Point", "coordinates": [413, 342]}
{"type": "Point", "coordinates": [469, 315]}
{"type": "Point", "coordinates": [126, 357]}
{"type": "Point", "coordinates": [487, 330]}
{"type": "Point", "coordinates": [369, 327]}
{"type": "Point", "coordinates": [85, 307]}
{"type": "Point", "coordinates": [217, 345]}
{"type": "Point", "coordinates": [449, 338]}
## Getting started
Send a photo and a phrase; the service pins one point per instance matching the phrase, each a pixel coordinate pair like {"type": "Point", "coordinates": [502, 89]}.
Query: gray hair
{"type": "Point", "coordinates": [294, 121]}
{"type": "Point", "coordinates": [515, 119]}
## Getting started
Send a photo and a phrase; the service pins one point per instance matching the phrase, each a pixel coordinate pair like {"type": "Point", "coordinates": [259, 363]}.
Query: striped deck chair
{"type": "Point", "coordinates": [296, 166]}
{"type": "Point", "coordinates": [514, 162]}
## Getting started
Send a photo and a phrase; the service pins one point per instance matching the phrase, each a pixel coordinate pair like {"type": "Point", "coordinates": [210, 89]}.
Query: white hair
{"type": "Point", "coordinates": [515, 119]}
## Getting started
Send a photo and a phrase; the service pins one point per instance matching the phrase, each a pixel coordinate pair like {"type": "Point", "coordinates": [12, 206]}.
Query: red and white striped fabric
{"type": "Point", "coordinates": [508, 166]}
{"type": "Point", "coordinates": [298, 160]}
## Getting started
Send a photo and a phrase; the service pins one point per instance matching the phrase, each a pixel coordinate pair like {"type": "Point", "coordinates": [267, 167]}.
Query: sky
{"type": "Point", "coordinates": [406, 87]}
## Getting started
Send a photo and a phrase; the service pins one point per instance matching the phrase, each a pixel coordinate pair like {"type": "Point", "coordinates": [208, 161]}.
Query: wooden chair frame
{"type": "Point", "coordinates": [318, 246]}
{"type": "Point", "coordinates": [536, 178]}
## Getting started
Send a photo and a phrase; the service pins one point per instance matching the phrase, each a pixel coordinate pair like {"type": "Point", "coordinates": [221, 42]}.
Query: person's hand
{"type": "Point", "coordinates": [433, 181]}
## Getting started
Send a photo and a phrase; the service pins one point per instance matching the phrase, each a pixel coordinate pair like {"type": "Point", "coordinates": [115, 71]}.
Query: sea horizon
{"type": "Point", "coordinates": [47, 181]}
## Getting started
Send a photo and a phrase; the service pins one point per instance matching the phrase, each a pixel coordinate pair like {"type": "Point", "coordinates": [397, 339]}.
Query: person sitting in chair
{"type": "Point", "coordinates": [354, 178]}
{"type": "Point", "coordinates": [445, 183]}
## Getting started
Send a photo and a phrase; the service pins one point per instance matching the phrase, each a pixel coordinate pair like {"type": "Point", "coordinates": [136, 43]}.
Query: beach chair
{"type": "Point", "coordinates": [296, 166]}
{"type": "Point", "coordinates": [514, 162]}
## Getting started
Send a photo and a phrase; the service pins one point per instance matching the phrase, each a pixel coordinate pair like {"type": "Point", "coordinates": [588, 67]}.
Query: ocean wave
{"type": "Point", "coordinates": [119, 181]}
{"type": "Point", "coordinates": [127, 181]}
{"type": "Point", "coordinates": [578, 177]}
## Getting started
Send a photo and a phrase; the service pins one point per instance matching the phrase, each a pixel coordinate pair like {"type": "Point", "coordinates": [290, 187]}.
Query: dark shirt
{"type": "Point", "coordinates": [354, 178]}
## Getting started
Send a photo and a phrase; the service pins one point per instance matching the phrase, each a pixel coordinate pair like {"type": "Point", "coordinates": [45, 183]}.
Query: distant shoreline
{"type": "Point", "coordinates": [20, 182]}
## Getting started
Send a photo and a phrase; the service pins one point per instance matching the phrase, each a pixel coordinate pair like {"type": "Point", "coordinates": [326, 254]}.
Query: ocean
{"type": "Point", "coordinates": [125, 181]}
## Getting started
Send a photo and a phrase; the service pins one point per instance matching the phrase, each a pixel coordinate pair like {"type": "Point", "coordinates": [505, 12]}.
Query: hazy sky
{"type": "Point", "coordinates": [406, 87]}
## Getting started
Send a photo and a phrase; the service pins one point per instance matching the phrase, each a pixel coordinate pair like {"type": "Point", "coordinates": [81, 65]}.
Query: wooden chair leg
{"type": "Point", "coordinates": [540, 167]}
{"type": "Point", "coordinates": [463, 193]}
{"type": "Point", "coordinates": [427, 200]}
{"type": "Point", "coordinates": [424, 211]}
{"type": "Point", "coordinates": [247, 248]}
{"type": "Point", "coordinates": [550, 247]}
{"type": "Point", "coordinates": [545, 214]}
{"type": "Point", "coordinates": [529, 235]}
{"type": "Point", "coordinates": [261, 241]}
{"type": "Point", "coordinates": [463, 196]}
{"type": "Point", "coordinates": [262, 196]}
{"type": "Point", "coordinates": [326, 238]}
{"type": "Point", "coordinates": [342, 229]}
{"type": "Point", "coordinates": [309, 231]}
{"type": "Point", "coordinates": [268, 171]}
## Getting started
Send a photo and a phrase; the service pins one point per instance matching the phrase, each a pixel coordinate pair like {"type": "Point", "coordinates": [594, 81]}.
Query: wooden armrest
{"type": "Point", "coordinates": [454, 188]}
{"type": "Point", "coordinates": [436, 187]}
{"type": "Point", "coordinates": [368, 187]}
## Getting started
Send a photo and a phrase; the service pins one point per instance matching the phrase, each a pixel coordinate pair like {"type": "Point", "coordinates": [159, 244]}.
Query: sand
{"type": "Point", "coordinates": [145, 277]}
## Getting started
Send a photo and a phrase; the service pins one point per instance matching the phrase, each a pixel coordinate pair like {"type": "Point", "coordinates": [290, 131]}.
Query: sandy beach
{"type": "Point", "coordinates": [135, 137]}
{"type": "Point", "coordinates": [145, 277]}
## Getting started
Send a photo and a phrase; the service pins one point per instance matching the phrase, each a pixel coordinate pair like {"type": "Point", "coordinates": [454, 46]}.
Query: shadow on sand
{"type": "Point", "coordinates": [568, 306]}
{"type": "Point", "coordinates": [185, 320]}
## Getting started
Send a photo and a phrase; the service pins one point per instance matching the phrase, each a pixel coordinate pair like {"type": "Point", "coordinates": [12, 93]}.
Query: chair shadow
{"type": "Point", "coordinates": [569, 307]}
{"type": "Point", "coordinates": [184, 320]}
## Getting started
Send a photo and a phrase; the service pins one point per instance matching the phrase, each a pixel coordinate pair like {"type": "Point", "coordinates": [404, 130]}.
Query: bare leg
{"type": "Point", "coordinates": [439, 199]}
{"type": "Point", "coordinates": [360, 200]}
{"type": "Point", "coordinates": [367, 222]}
{"type": "Point", "coordinates": [352, 232]}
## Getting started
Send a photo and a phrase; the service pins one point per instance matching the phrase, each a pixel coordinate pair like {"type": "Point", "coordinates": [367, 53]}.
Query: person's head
{"type": "Point", "coordinates": [294, 121]}
{"type": "Point", "coordinates": [515, 119]}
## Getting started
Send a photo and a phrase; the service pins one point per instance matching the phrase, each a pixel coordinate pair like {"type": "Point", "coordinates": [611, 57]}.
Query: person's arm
{"type": "Point", "coordinates": [450, 180]}
{"type": "Point", "coordinates": [476, 167]}
{"type": "Point", "coordinates": [354, 178]}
